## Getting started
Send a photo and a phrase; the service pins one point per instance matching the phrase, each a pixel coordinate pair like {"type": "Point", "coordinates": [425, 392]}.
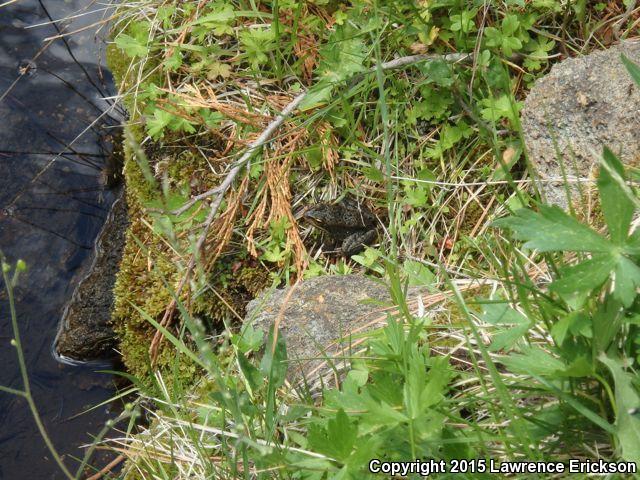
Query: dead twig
{"type": "Point", "coordinates": [107, 468]}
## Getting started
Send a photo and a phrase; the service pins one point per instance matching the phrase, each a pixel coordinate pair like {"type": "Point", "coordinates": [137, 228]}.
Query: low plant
{"type": "Point", "coordinates": [589, 347]}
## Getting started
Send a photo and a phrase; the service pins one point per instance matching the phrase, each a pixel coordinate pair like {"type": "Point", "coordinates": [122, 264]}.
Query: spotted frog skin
{"type": "Point", "coordinates": [347, 222]}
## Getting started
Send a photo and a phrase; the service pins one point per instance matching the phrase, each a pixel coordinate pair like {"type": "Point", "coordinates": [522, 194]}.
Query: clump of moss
{"type": "Point", "coordinates": [148, 268]}
{"type": "Point", "coordinates": [231, 288]}
{"type": "Point", "coordinates": [148, 265]}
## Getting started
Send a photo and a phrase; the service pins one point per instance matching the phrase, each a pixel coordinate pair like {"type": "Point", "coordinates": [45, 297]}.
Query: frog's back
{"type": "Point", "coordinates": [356, 215]}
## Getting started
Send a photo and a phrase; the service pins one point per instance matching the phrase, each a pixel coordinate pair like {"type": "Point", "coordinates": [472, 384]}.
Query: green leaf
{"type": "Point", "coordinates": [632, 68]}
{"type": "Point", "coordinates": [131, 46]}
{"type": "Point", "coordinates": [257, 44]}
{"type": "Point", "coordinates": [626, 281]}
{"type": "Point", "coordinates": [506, 339]}
{"type": "Point", "coordinates": [552, 229]}
{"type": "Point", "coordinates": [438, 72]}
{"type": "Point", "coordinates": [617, 207]}
{"type": "Point", "coordinates": [502, 107]}
{"type": "Point", "coordinates": [584, 277]}
{"type": "Point", "coordinates": [607, 321]}
{"type": "Point", "coordinates": [218, 69]}
{"type": "Point", "coordinates": [514, 325]}
{"type": "Point", "coordinates": [219, 20]}
{"type": "Point", "coordinates": [174, 62]}
{"type": "Point", "coordinates": [383, 414]}
{"type": "Point", "coordinates": [157, 123]}
{"type": "Point", "coordinates": [274, 362]}
{"type": "Point", "coordinates": [502, 314]}
{"type": "Point", "coordinates": [337, 440]}
{"type": "Point", "coordinates": [418, 273]}
{"type": "Point", "coordinates": [509, 44]}
{"type": "Point", "coordinates": [250, 373]}
{"type": "Point", "coordinates": [464, 21]}
{"type": "Point", "coordinates": [510, 24]}
{"type": "Point", "coordinates": [319, 94]}
{"type": "Point", "coordinates": [533, 361]}
{"type": "Point", "coordinates": [632, 245]}
{"type": "Point", "coordinates": [374, 174]}
{"type": "Point", "coordinates": [573, 323]}
{"type": "Point", "coordinates": [249, 339]}
{"type": "Point", "coordinates": [580, 367]}
{"type": "Point", "coordinates": [435, 389]}
{"type": "Point", "coordinates": [628, 403]}
{"type": "Point", "coordinates": [342, 60]}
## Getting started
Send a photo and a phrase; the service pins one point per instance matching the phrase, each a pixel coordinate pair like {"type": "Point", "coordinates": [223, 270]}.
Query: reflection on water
{"type": "Point", "coordinates": [54, 137]}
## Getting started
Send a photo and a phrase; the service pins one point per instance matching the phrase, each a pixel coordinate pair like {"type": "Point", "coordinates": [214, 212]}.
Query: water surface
{"type": "Point", "coordinates": [54, 137]}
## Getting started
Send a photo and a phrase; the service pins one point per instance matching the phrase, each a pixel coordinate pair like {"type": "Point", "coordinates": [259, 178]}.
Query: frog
{"type": "Point", "coordinates": [347, 222]}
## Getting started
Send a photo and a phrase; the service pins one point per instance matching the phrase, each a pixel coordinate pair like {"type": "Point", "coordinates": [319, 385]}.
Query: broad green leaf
{"type": "Point", "coordinates": [577, 405]}
{"type": "Point", "coordinates": [349, 398]}
{"type": "Point", "coordinates": [222, 15]}
{"type": "Point", "coordinates": [632, 68]}
{"type": "Point", "coordinates": [533, 361]}
{"type": "Point", "coordinates": [607, 321]}
{"type": "Point", "coordinates": [617, 207]}
{"type": "Point", "coordinates": [508, 337]}
{"type": "Point", "coordinates": [418, 273]}
{"type": "Point", "coordinates": [174, 62]}
{"type": "Point", "coordinates": [342, 433]}
{"type": "Point", "coordinates": [571, 323]}
{"type": "Point", "coordinates": [219, 20]}
{"type": "Point", "coordinates": [312, 463]}
{"type": "Point", "coordinates": [580, 367]}
{"type": "Point", "coordinates": [632, 246]}
{"type": "Point", "coordinates": [513, 325]}
{"type": "Point", "coordinates": [218, 69]}
{"type": "Point", "coordinates": [257, 44]}
{"type": "Point", "coordinates": [383, 414]}
{"type": "Point", "coordinates": [510, 24]}
{"type": "Point", "coordinates": [415, 380]}
{"type": "Point", "coordinates": [552, 229]}
{"type": "Point", "coordinates": [584, 277]}
{"type": "Point", "coordinates": [626, 281]}
{"type": "Point", "coordinates": [249, 339]}
{"type": "Point", "coordinates": [628, 404]}
{"type": "Point", "coordinates": [365, 450]}
{"type": "Point", "coordinates": [320, 94]}
{"type": "Point", "coordinates": [438, 72]}
{"type": "Point", "coordinates": [502, 314]}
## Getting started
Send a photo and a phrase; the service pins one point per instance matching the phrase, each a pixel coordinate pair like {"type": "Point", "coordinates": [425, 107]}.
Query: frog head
{"type": "Point", "coordinates": [321, 216]}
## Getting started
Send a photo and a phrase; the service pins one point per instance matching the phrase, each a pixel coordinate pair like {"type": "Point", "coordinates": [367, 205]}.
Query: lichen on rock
{"type": "Point", "coordinates": [321, 320]}
{"type": "Point", "coordinates": [582, 105]}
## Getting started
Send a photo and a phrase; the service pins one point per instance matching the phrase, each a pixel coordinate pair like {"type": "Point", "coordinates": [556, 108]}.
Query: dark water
{"type": "Point", "coordinates": [51, 209]}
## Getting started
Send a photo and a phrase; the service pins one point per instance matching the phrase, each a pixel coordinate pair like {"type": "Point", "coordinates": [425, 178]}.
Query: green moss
{"type": "Point", "coordinates": [148, 265]}
{"type": "Point", "coordinates": [231, 292]}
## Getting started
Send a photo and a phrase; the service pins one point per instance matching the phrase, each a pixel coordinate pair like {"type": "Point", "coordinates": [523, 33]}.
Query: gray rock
{"type": "Point", "coordinates": [583, 104]}
{"type": "Point", "coordinates": [320, 318]}
{"type": "Point", "coordinates": [85, 332]}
